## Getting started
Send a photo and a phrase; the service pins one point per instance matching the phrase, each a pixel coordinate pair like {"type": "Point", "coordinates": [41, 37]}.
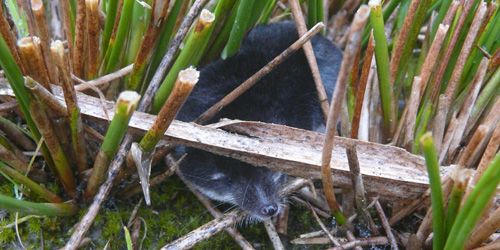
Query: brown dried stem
{"type": "Point", "coordinates": [207, 115]}
{"type": "Point", "coordinates": [338, 97]}
{"type": "Point", "coordinates": [30, 50]}
{"type": "Point", "coordinates": [465, 51]}
{"type": "Point", "coordinates": [311, 59]}
{"type": "Point", "coordinates": [44, 34]}
{"type": "Point", "coordinates": [360, 94]}
{"type": "Point", "coordinates": [387, 227]}
{"type": "Point", "coordinates": [92, 17]}
{"type": "Point", "coordinates": [68, 33]}
{"type": "Point", "coordinates": [73, 111]}
{"type": "Point", "coordinates": [402, 37]}
{"type": "Point", "coordinates": [78, 50]}
{"type": "Point", "coordinates": [484, 230]}
{"type": "Point", "coordinates": [11, 159]}
{"type": "Point", "coordinates": [449, 49]}
{"type": "Point", "coordinates": [15, 134]}
{"type": "Point", "coordinates": [10, 41]}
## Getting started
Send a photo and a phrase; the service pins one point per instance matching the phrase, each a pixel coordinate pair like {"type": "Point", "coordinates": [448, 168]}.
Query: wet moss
{"type": "Point", "coordinates": [175, 211]}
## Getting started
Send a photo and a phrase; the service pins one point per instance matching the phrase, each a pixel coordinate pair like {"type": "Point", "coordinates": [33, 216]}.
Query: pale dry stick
{"type": "Point", "coordinates": [282, 220]}
{"type": "Point", "coordinates": [10, 41]}
{"type": "Point", "coordinates": [92, 18]}
{"type": "Point", "coordinates": [67, 30]}
{"type": "Point", "coordinates": [430, 59]}
{"type": "Point", "coordinates": [298, 17]}
{"type": "Point", "coordinates": [273, 235]}
{"type": "Point", "coordinates": [350, 237]}
{"type": "Point", "coordinates": [358, 186]}
{"type": "Point", "coordinates": [209, 205]}
{"type": "Point", "coordinates": [402, 37]}
{"type": "Point", "coordinates": [338, 97]}
{"type": "Point", "coordinates": [440, 122]}
{"type": "Point", "coordinates": [335, 241]}
{"type": "Point", "coordinates": [365, 117]}
{"type": "Point", "coordinates": [30, 50]}
{"type": "Point", "coordinates": [427, 68]}
{"type": "Point", "coordinates": [227, 220]}
{"type": "Point", "coordinates": [102, 98]}
{"type": "Point", "coordinates": [484, 230]}
{"type": "Point", "coordinates": [318, 211]}
{"type": "Point", "coordinates": [465, 51]}
{"type": "Point", "coordinates": [208, 114]}
{"type": "Point", "coordinates": [78, 50]}
{"type": "Point", "coordinates": [449, 50]}
{"type": "Point", "coordinates": [466, 110]}
{"type": "Point", "coordinates": [452, 126]}
{"type": "Point", "coordinates": [84, 85]}
{"type": "Point", "coordinates": [338, 23]}
{"type": "Point", "coordinates": [44, 34]}
{"type": "Point", "coordinates": [363, 242]}
{"type": "Point", "coordinates": [356, 119]}
{"type": "Point", "coordinates": [115, 166]}
{"type": "Point", "coordinates": [387, 227]}
{"type": "Point", "coordinates": [411, 116]}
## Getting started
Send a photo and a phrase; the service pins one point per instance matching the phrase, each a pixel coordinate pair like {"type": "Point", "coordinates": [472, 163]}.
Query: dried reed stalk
{"type": "Point", "coordinates": [156, 22]}
{"type": "Point", "coordinates": [73, 112]}
{"type": "Point", "coordinates": [449, 51]}
{"type": "Point", "coordinates": [484, 230]}
{"type": "Point", "coordinates": [311, 59]}
{"type": "Point", "coordinates": [465, 51]}
{"type": "Point", "coordinates": [30, 50]}
{"type": "Point", "coordinates": [78, 50]}
{"type": "Point", "coordinates": [363, 242]}
{"type": "Point", "coordinates": [273, 235]}
{"type": "Point", "coordinates": [387, 227]}
{"type": "Point", "coordinates": [10, 40]}
{"type": "Point", "coordinates": [84, 85]}
{"type": "Point", "coordinates": [411, 117]}
{"type": "Point", "coordinates": [11, 159]}
{"type": "Point", "coordinates": [68, 33]}
{"type": "Point", "coordinates": [402, 37]}
{"type": "Point", "coordinates": [44, 35]}
{"type": "Point", "coordinates": [92, 17]}
{"type": "Point", "coordinates": [338, 98]}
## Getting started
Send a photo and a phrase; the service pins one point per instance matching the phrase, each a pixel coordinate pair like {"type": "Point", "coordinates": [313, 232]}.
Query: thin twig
{"type": "Point", "coordinates": [84, 85]}
{"type": "Point", "coordinates": [363, 242]}
{"type": "Point", "coordinates": [387, 227]}
{"type": "Point", "coordinates": [311, 59]}
{"type": "Point", "coordinates": [330, 236]}
{"type": "Point", "coordinates": [273, 235]}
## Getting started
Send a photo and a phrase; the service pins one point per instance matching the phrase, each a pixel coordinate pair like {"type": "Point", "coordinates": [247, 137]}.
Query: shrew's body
{"type": "Point", "coordinates": [287, 96]}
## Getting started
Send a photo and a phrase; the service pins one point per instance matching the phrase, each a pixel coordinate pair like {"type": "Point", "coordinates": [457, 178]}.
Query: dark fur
{"type": "Point", "coordinates": [285, 96]}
